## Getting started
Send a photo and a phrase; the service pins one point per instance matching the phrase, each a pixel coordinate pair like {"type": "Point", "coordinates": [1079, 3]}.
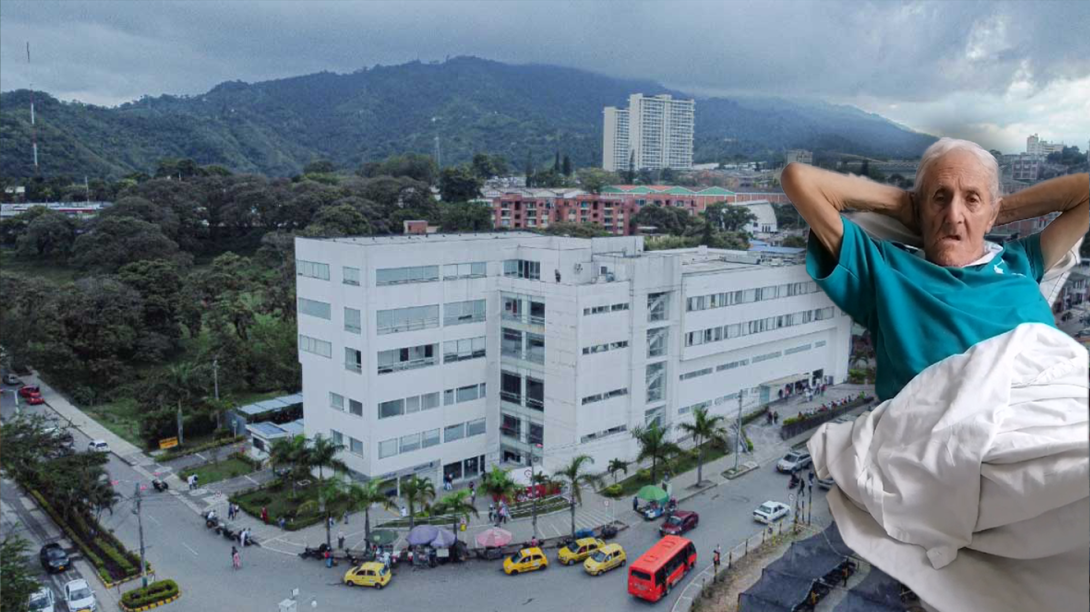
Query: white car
{"type": "Point", "coordinates": [79, 596]}
{"type": "Point", "coordinates": [794, 460]}
{"type": "Point", "coordinates": [42, 601]}
{"type": "Point", "coordinates": [770, 512]}
{"type": "Point", "coordinates": [98, 446]}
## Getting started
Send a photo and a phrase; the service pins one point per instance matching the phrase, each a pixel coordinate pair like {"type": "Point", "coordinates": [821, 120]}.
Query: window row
{"type": "Point", "coordinates": [746, 296]}
{"type": "Point", "coordinates": [696, 374]}
{"type": "Point", "coordinates": [522, 345]}
{"type": "Point", "coordinates": [522, 268]}
{"type": "Point", "coordinates": [407, 319]}
{"type": "Point", "coordinates": [511, 426]}
{"type": "Point", "coordinates": [412, 274]}
{"type": "Point", "coordinates": [336, 402]}
{"type": "Point", "coordinates": [604, 309]}
{"type": "Point", "coordinates": [461, 350]}
{"type": "Point", "coordinates": [408, 405]}
{"type": "Point", "coordinates": [409, 358]}
{"type": "Point", "coordinates": [601, 397]}
{"type": "Point", "coordinates": [463, 394]}
{"type": "Point", "coordinates": [457, 313]}
{"type": "Point", "coordinates": [766, 357]}
{"type": "Point", "coordinates": [511, 390]}
{"type": "Point", "coordinates": [427, 439]}
{"type": "Point", "coordinates": [602, 434]}
{"type": "Point", "coordinates": [316, 346]}
{"type": "Point", "coordinates": [354, 446]}
{"type": "Point", "coordinates": [797, 349]}
{"type": "Point", "coordinates": [601, 348]}
{"type": "Point", "coordinates": [314, 308]}
{"type": "Point", "coordinates": [735, 330]}
{"type": "Point", "coordinates": [523, 308]}
{"type": "Point", "coordinates": [475, 269]}
{"type": "Point", "coordinates": [312, 269]}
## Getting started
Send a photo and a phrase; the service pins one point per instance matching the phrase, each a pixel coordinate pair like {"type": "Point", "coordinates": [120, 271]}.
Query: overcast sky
{"type": "Point", "coordinates": [989, 71]}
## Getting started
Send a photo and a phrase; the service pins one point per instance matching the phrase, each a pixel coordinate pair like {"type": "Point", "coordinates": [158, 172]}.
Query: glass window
{"type": "Point", "coordinates": [351, 275]}
{"type": "Point", "coordinates": [448, 397]}
{"type": "Point", "coordinates": [657, 341]}
{"type": "Point", "coordinates": [511, 426]}
{"type": "Point", "coordinates": [475, 427]}
{"type": "Point", "coordinates": [429, 401]}
{"type": "Point", "coordinates": [409, 358]}
{"type": "Point", "coordinates": [391, 408]}
{"type": "Point", "coordinates": [314, 308]}
{"type": "Point", "coordinates": [355, 407]}
{"type": "Point", "coordinates": [511, 343]}
{"type": "Point", "coordinates": [412, 404]}
{"type": "Point", "coordinates": [457, 313]}
{"type": "Point", "coordinates": [535, 348]}
{"type": "Point", "coordinates": [418, 274]}
{"type": "Point", "coordinates": [511, 387]}
{"type": "Point", "coordinates": [312, 269]}
{"type": "Point", "coordinates": [657, 306]}
{"type": "Point", "coordinates": [352, 321]}
{"type": "Point", "coordinates": [315, 346]}
{"type": "Point", "coordinates": [430, 438]}
{"type": "Point", "coordinates": [537, 312]}
{"type": "Point", "coordinates": [387, 448]}
{"type": "Point", "coordinates": [407, 319]}
{"type": "Point", "coordinates": [410, 443]}
{"type": "Point", "coordinates": [535, 393]}
{"type": "Point", "coordinates": [461, 350]}
{"type": "Point", "coordinates": [454, 432]}
{"type": "Point", "coordinates": [537, 433]}
{"type": "Point", "coordinates": [353, 360]}
{"type": "Point", "coordinates": [467, 394]}
{"type": "Point", "coordinates": [336, 401]}
{"type": "Point", "coordinates": [337, 437]}
{"type": "Point", "coordinates": [512, 307]}
{"type": "Point", "coordinates": [355, 446]}
{"type": "Point", "coordinates": [656, 382]}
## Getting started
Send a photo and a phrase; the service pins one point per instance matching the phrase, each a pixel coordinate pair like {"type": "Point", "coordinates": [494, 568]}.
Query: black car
{"type": "Point", "coordinates": [53, 558]}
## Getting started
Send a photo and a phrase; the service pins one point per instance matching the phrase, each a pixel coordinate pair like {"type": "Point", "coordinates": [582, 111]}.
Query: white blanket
{"type": "Point", "coordinates": [972, 485]}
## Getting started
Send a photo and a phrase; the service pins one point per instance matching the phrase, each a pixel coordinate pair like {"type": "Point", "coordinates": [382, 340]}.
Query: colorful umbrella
{"type": "Point", "coordinates": [494, 537]}
{"type": "Point", "coordinates": [444, 539]}
{"type": "Point", "coordinates": [653, 493]}
{"type": "Point", "coordinates": [422, 535]}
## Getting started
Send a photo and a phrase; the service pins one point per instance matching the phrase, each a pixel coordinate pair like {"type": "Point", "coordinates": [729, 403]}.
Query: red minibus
{"type": "Point", "coordinates": [655, 573]}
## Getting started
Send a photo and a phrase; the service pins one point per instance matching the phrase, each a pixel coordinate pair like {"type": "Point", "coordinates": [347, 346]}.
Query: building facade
{"type": "Point", "coordinates": [447, 354]}
{"type": "Point", "coordinates": [654, 132]}
{"type": "Point", "coordinates": [1036, 146]}
{"type": "Point", "coordinates": [801, 156]}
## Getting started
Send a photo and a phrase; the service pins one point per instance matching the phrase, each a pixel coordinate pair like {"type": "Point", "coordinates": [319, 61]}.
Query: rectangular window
{"type": "Point", "coordinates": [656, 382]}
{"type": "Point", "coordinates": [653, 416]}
{"type": "Point", "coordinates": [448, 397]}
{"type": "Point", "coordinates": [511, 426]}
{"type": "Point", "coordinates": [457, 313]}
{"type": "Point", "coordinates": [355, 407]}
{"type": "Point", "coordinates": [391, 408]}
{"type": "Point", "coordinates": [316, 346]}
{"type": "Point", "coordinates": [407, 319]}
{"type": "Point", "coordinates": [412, 404]}
{"type": "Point", "coordinates": [352, 322]}
{"type": "Point", "coordinates": [410, 443]}
{"type": "Point", "coordinates": [467, 270]}
{"type": "Point", "coordinates": [537, 312]}
{"type": "Point", "coordinates": [336, 401]}
{"type": "Point", "coordinates": [535, 394]}
{"type": "Point", "coordinates": [428, 401]}
{"type": "Point", "coordinates": [337, 437]}
{"type": "Point", "coordinates": [521, 268]}
{"type": "Point", "coordinates": [657, 306]}
{"type": "Point", "coordinates": [475, 427]}
{"type": "Point", "coordinates": [467, 394]}
{"type": "Point", "coordinates": [355, 446]}
{"type": "Point", "coordinates": [535, 348]}
{"type": "Point", "coordinates": [312, 269]}
{"type": "Point", "coordinates": [512, 307]}
{"type": "Point", "coordinates": [429, 438]}
{"type": "Point", "coordinates": [511, 343]}
{"type": "Point", "coordinates": [387, 448]}
{"type": "Point", "coordinates": [461, 350]}
{"type": "Point", "coordinates": [511, 387]}
{"type": "Point", "coordinates": [454, 432]}
{"type": "Point", "coordinates": [410, 358]}
{"type": "Point", "coordinates": [537, 433]}
{"type": "Point", "coordinates": [314, 308]}
{"type": "Point", "coordinates": [351, 276]}
{"type": "Point", "coordinates": [353, 360]}
{"type": "Point", "coordinates": [397, 276]}
{"type": "Point", "coordinates": [656, 341]}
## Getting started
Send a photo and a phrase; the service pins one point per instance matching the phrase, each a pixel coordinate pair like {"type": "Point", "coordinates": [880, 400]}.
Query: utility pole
{"type": "Point", "coordinates": [140, 526]}
{"type": "Point", "coordinates": [181, 437]}
{"type": "Point", "coordinates": [533, 488]}
{"type": "Point", "coordinates": [216, 376]}
{"type": "Point", "coordinates": [738, 433]}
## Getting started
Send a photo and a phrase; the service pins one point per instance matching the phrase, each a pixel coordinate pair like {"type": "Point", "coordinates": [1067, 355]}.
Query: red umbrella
{"type": "Point", "coordinates": [494, 537]}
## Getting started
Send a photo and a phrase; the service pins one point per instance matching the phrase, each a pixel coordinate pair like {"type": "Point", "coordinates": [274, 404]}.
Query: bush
{"type": "Point", "coordinates": [643, 474]}
{"type": "Point", "coordinates": [178, 451]}
{"type": "Point", "coordinates": [153, 593]}
{"type": "Point", "coordinates": [613, 490]}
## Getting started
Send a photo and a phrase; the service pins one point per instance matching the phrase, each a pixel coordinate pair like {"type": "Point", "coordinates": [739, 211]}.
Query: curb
{"type": "Point", "coordinates": [746, 468]}
{"type": "Point", "coordinates": [150, 606]}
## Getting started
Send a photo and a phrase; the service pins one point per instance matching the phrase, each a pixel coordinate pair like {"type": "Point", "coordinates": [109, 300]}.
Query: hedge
{"type": "Point", "coordinates": [155, 592]}
{"type": "Point", "coordinates": [102, 542]}
{"type": "Point", "coordinates": [613, 490]}
{"type": "Point", "coordinates": [181, 451]}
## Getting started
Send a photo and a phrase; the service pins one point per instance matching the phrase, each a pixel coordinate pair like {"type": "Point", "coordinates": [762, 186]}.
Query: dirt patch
{"type": "Point", "coordinates": [723, 597]}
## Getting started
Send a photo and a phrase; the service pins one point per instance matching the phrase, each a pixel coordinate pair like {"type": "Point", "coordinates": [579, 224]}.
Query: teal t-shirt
{"type": "Point", "coordinates": [919, 313]}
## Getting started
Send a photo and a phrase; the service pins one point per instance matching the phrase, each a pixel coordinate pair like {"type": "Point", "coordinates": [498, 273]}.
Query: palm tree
{"type": "Point", "coordinates": [102, 497]}
{"type": "Point", "coordinates": [290, 452]}
{"type": "Point", "coordinates": [704, 428]}
{"type": "Point", "coordinates": [654, 446]}
{"type": "Point", "coordinates": [329, 494]}
{"type": "Point", "coordinates": [617, 465]}
{"type": "Point", "coordinates": [572, 474]}
{"type": "Point", "coordinates": [364, 496]}
{"type": "Point", "coordinates": [180, 381]}
{"type": "Point", "coordinates": [498, 484]}
{"type": "Point", "coordinates": [417, 489]}
{"type": "Point", "coordinates": [323, 454]}
{"type": "Point", "coordinates": [456, 505]}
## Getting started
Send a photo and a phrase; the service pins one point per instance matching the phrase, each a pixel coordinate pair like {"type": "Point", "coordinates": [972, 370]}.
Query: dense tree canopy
{"type": "Point", "coordinates": [112, 242]}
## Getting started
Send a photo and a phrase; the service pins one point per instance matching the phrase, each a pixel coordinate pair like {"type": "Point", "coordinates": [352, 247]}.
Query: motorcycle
{"type": "Point", "coordinates": [159, 485]}
{"type": "Point", "coordinates": [211, 521]}
{"type": "Point", "coordinates": [794, 482]}
{"type": "Point", "coordinates": [314, 553]}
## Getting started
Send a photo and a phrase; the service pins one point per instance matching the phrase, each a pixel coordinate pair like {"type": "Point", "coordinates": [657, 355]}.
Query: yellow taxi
{"type": "Point", "coordinates": [578, 550]}
{"type": "Point", "coordinates": [525, 560]}
{"type": "Point", "coordinates": [370, 574]}
{"type": "Point", "coordinates": [604, 559]}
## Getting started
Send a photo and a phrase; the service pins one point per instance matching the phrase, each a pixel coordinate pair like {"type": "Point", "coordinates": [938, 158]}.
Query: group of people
{"type": "Point", "coordinates": [232, 511]}
{"type": "Point", "coordinates": [498, 514]}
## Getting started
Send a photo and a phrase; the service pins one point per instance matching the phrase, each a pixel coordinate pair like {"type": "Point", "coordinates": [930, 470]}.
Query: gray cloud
{"type": "Point", "coordinates": [873, 54]}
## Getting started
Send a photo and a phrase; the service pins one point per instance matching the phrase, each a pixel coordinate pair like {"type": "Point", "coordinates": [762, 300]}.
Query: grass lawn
{"type": "Point", "coordinates": [121, 417]}
{"type": "Point", "coordinates": [277, 498]}
{"type": "Point", "coordinates": [215, 472]}
{"type": "Point", "coordinates": [687, 462]}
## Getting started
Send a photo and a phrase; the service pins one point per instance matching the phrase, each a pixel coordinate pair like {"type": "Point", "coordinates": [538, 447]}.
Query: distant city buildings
{"type": "Point", "coordinates": [1026, 167]}
{"type": "Point", "coordinates": [1036, 146]}
{"type": "Point", "coordinates": [801, 156]}
{"type": "Point", "coordinates": [654, 132]}
{"type": "Point", "coordinates": [73, 209]}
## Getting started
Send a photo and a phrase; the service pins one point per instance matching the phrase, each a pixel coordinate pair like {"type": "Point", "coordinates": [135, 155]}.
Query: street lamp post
{"type": "Point", "coordinates": [216, 377]}
{"type": "Point", "coordinates": [533, 488]}
{"type": "Point", "coordinates": [738, 433]}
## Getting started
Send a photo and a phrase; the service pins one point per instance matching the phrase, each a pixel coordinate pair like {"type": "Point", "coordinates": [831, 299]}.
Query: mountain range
{"type": "Point", "coordinates": [472, 105]}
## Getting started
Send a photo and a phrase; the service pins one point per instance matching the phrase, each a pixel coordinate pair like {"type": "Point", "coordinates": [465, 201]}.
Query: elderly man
{"type": "Point", "coordinates": [922, 307]}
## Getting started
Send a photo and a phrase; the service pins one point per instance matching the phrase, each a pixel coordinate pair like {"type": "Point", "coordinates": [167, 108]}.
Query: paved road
{"type": "Point", "coordinates": [178, 546]}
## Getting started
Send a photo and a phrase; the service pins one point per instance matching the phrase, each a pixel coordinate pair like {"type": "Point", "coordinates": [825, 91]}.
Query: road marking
{"type": "Point", "coordinates": [247, 477]}
{"type": "Point", "coordinates": [154, 520]}
{"type": "Point", "coordinates": [190, 549]}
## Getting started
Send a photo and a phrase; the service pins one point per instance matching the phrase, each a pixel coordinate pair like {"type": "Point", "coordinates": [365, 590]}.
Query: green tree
{"type": "Point", "coordinates": [19, 580]}
{"type": "Point", "coordinates": [290, 452]}
{"type": "Point", "coordinates": [729, 217]}
{"type": "Point", "coordinates": [339, 220]}
{"type": "Point", "coordinates": [572, 474]}
{"type": "Point", "coordinates": [704, 428]}
{"type": "Point", "coordinates": [630, 176]}
{"type": "Point", "coordinates": [483, 166]}
{"type": "Point", "coordinates": [417, 490]}
{"type": "Point", "coordinates": [670, 220]}
{"type": "Point", "coordinates": [48, 236]}
{"type": "Point", "coordinates": [654, 446]}
{"type": "Point", "coordinates": [320, 166]}
{"type": "Point", "coordinates": [797, 242]}
{"type": "Point", "coordinates": [323, 454]}
{"type": "Point", "coordinates": [594, 179]}
{"type": "Point", "coordinates": [556, 163]}
{"type": "Point", "coordinates": [467, 217]}
{"type": "Point", "coordinates": [330, 493]}
{"type": "Point", "coordinates": [159, 285]}
{"type": "Point", "coordinates": [566, 167]}
{"type": "Point", "coordinates": [667, 176]}
{"type": "Point", "coordinates": [114, 242]}
{"type": "Point", "coordinates": [459, 184]}
{"type": "Point", "coordinates": [415, 166]}
{"type": "Point", "coordinates": [456, 505]}
{"type": "Point", "coordinates": [498, 484]}
{"type": "Point", "coordinates": [363, 497]}
{"type": "Point", "coordinates": [575, 230]}
{"type": "Point", "coordinates": [615, 466]}
{"type": "Point", "coordinates": [528, 169]}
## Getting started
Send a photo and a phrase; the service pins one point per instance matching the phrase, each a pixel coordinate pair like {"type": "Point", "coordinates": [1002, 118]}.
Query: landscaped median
{"type": "Point", "coordinates": [237, 464]}
{"type": "Point", "coordinates": [520, 510]}
{"type": "Point", "coordinates": [277, 497]}
{"type": "Point", "coordinates": [151, 596]}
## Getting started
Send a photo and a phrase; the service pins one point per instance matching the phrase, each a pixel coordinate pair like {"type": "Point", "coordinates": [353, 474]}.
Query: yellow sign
{"type": "Point", "coordinates": [166, 443]}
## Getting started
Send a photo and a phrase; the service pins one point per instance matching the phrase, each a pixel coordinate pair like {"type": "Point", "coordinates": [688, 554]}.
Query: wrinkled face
{"type": "Point", "coordinates": [956, 210]}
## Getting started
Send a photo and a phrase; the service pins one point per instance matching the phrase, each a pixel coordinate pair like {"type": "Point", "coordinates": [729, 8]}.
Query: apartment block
{"type": "Point", "coordinates": [443, 355]}
{"type": "Point", "coordinates": [653, 132]}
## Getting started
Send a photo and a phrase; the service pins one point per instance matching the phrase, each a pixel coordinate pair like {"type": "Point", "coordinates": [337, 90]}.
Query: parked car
{"type": "Point", "coordinates": [679, 522]}
{"type": "Point", "coordinates": [42, 600]}
{"type": "Point", "coordinates": [63, 435]}
{"type": "Point", "coordinates": [793, 461]}
{"type": "Point", "coordinates": [28, 390]}
{"type": "Point", "coordinates": [54, 559]}
{"type": "Point", "coordinates": [371, 574]}
{"type": "Point", "coordinates": [604, 559]}
{"type": "Point", "coordinates": [770, 512]}
{"type": "Point", "coordinates": [525, 560]}
{"type": "Point", "coordinates": [35, 399]}
{"type": "Point", "coordinates": [98, 446]}
{"type": "Point", "coordinates": [12, 379]}
{"type": "Point", "coordinates": [578, 550]}
{"type": "Point", "coordinates": [79, 596]}
{"type": "Point", "coordinates": [826, 483]}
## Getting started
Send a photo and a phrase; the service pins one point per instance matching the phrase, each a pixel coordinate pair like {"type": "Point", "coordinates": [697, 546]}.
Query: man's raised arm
{"type": "Point", "coordinates": [820, 196]}
{"type": "Point", "coordinates": [1068, 195]}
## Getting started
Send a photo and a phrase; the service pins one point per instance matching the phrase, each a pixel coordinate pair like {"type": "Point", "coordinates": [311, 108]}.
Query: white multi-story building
{"type": "Point", "coordinates": [1036, 146]}
{"type": "Point", "coordinates": [801, 156]}
{"type": "Point", "coordinates": [657, 130]}
{"type": "Point", "coordinates": [447, 354]}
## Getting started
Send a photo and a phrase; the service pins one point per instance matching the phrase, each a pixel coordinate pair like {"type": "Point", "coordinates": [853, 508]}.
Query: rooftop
{"type": "Point", "coordinates": [414, 238]}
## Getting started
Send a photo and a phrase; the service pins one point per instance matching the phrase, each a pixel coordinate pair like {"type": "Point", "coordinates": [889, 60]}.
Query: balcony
{"type": "Point", "coordinates": [407, 365]}
{"type": "Point", "coordinates": [514, 398]}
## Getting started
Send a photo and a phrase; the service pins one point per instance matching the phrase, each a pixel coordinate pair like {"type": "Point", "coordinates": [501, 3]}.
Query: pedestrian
{"type": "Point", "coordinates": [281, 522]}
{"type": "Point", "coordinates": [404, 512]}
{"type": "Point", "coordinates": [636, 504]}
{"type": "Point", "coordinates": [264, 515]}
{"type": "Point", "coordinates": [340, 540]}
{"type": "Point", "coordinates": [329, 558]}
{"type": "Point", "coordinates": [236, 558]}
{"type": "Point", "coordinates": [715, 560]}
{"type": "Point", "coordinates": [491, 511]}
{"type": "Point", "coordinates": [776, 417]}
{"type": "Point", "coordinates": [331, 522]}
{"type": "Point", "coordinates": [344, 517]}
{"type": "Point", "coordinates": [196, 482]}
{"type": "Point", "coordinates": [811, 477]}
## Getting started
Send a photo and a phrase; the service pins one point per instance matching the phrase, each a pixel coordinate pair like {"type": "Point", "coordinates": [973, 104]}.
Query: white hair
{"type": "Point", "coordinates": [948, 145]}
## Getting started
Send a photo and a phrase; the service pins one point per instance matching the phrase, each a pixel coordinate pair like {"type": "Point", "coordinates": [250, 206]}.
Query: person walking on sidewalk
{"type": "Point", "coordinates": [344, 518]}
{"type": "Point", "coordinates": [236, 558]}
{"type": "Point", "coordinates": [340, 540]}
{"type": "Point", "coordinates": [715, 561]}
{"type": "Point", "coordinates": [265, 515]}
{"type": "Point", "coordinates": [491, 511]}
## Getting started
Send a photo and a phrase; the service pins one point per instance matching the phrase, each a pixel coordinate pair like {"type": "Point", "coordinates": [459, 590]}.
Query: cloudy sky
{"type": "Point", "coordinates": [990, 71]}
